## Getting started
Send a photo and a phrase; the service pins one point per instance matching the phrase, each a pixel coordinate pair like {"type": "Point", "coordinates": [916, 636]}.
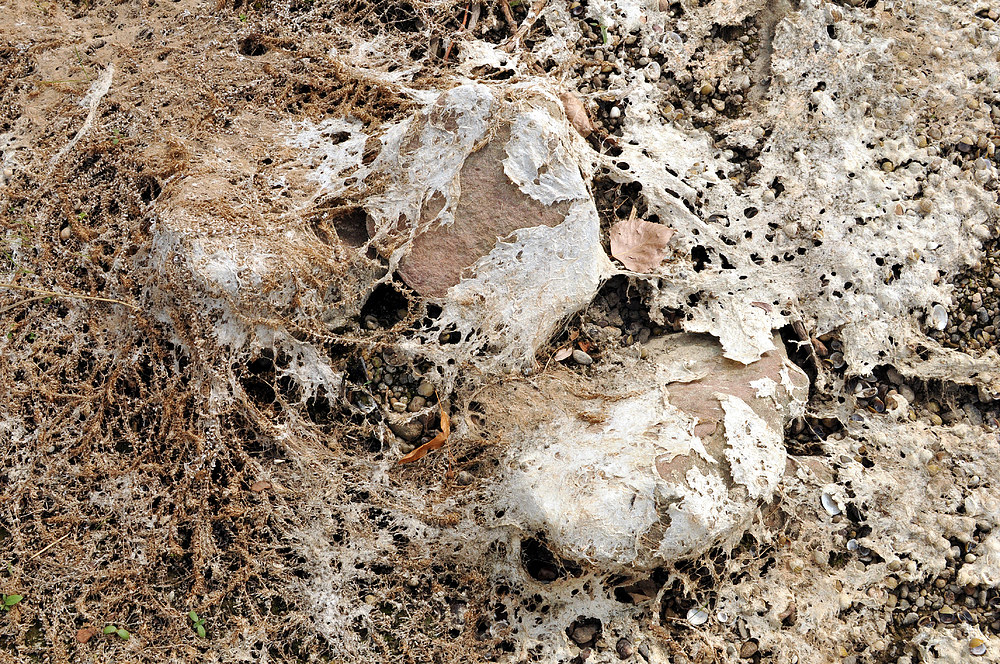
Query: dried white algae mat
{"type": "Point", "coordinates": [311, 222]}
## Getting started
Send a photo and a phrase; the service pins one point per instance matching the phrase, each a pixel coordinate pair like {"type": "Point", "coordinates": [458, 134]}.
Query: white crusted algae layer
{"type": "Point", "coordinates": [540, 163]}
{"type": "Point", "coordinates": [908, 498]}
{"type": "Point", "coordinates": [985, 570]}
{"type": "Point", "coordinates": [628, 480]}
{"type": "Point", "coordinates": [755, 452]}
{"type": "Point", "coordinates": [525, 287]}
{"type": "Point", "coordinates": [856, 253]}
{"type": "Point", "coordinates": [512, 299]}
{"type": "Point", "coordinates": [429, 168]}
{"type": "Point", "coordinates": [952, 646]}
{"type": "Point", "coordinates": [594, 490]}
{"type": "Point", "coordinates": [844, 243]}
{"type": "Point", "coordinates": [826, 247]}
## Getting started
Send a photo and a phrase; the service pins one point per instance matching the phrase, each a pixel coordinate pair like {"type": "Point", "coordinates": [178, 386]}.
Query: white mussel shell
{"type": "Point", "coordinates": [697, 616]}
{"type": "Point", "coordinates": [830, 505]}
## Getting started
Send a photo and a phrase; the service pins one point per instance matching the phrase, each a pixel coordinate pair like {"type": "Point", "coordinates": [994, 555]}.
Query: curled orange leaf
{"type": "Point", "coordinates": [434, 443]}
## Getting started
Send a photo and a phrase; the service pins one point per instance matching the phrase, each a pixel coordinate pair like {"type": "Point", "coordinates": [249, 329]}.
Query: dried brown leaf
{"type": "Point", "coordinates": [640, 245]}
{"type": "Point", "coordinates": [85, 634]}
{"type": "Point", "coordinates": [434, 443]}
{"type": "Point", "coordinates": [260, 485]}
{"type": "Point", "coordinates": [577, 114]}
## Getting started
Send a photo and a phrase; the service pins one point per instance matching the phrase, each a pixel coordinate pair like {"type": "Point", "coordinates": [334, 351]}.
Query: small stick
{"type": "Point", "coordinates": [800, 330]}
{"type": "Point", "coordinates": [529, 21]}
{"type": "Point", "coordinates": [508, 15]}
{"type": "Point", "coordinates": [465, 20]}
{"type": "Point", "coordinates": [49, 546]}
{"type": "Point", "coordinates": [17, 304]}
{"type": "Point", "coordinates": [78, 296]}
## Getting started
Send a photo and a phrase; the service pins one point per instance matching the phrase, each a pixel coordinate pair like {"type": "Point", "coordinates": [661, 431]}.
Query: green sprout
{"type": "Point", "coordinates": [120, 631]}
{"type": "Point", "coordinates": [9, 601]}
{"type": "Point", "coordinates": [199, 624]}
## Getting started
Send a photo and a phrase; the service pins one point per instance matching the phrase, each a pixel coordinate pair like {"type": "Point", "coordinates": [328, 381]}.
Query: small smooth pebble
{"type": "Point", "coordinates": [624, 649]}
{"type": "Point", "coordinates": [584, 633]}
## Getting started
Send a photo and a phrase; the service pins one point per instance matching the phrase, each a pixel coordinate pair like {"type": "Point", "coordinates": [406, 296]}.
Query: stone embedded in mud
{"type": "Point", "coordinates": [407, 428]}
{"type": "Point", "coordinates": [740, 410]}
{"type": "Point", "coordinates": [489, 207]}
{"type": "Point", "coordinates": [647, 461]}
{"type": "Point", "coordinates": [484, 205]}
{"type": "Point", "coordinates": [471, 204]}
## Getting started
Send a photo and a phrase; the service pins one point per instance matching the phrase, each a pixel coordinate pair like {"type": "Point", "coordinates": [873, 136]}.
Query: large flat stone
{"type": "Point", "coordinates": [652, 460]}
{"type": "Point", "coordinates": [483, 205]}
{"type": "Point", "coordinates": [489, 207]}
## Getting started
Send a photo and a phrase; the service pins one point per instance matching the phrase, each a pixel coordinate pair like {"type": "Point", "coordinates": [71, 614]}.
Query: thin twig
{"type": "Point", "coordinates": [508, 15]}
{"type": "Point", "coordinates": [465, 20]}
{"type": "Point", "coordinates": [529, 21]}
{"type": "Point", "coordinates": [79, 59]}
{"type": "Point", "coordinates": [800, 330]}
{"type": "Point", "coordinates": [17, 304]}
{"type": "Point", "coordinates": [50, 546]}
{"type": "Point", "coordinates": [78, 296]}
